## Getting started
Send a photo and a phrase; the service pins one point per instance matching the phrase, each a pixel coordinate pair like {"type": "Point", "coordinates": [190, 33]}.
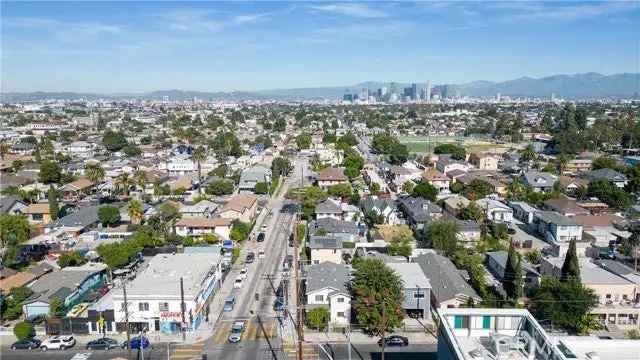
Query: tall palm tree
{"type": "Point", "coordinates": [199, 155]}
{"type": "Point", "coordinates": [140, 178]}
{"type": "Point", "coordinates": [123, 182]}
{"type": "Point", "coordinates": [135, 211]}
{"type": "Point", "coordinates": [4, 149]}
{"type": "Point", "coordinates": [95, 173]}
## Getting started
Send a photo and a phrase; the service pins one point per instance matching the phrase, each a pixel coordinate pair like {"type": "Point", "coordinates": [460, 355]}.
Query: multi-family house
{"type": "Point", "coordinates": [456, 203]}
{"type": "Point", "coordinates": [559, 230]}
{"type": "Point", "coordinates": [348, 231]}
{"type": "Point", "coordinates": [565, 206]}
{"type": "Point", "coordinates": [38, 213]}
{"type": "Point", "coordinates": [325, 248]}
{"type": "Point", "coordinates": [495, 210]}
{"type": "Point", "coordinates": [523, 211]}
{"type": "Point", "coordinates": [331, 176]}
{"type": "Point", "coordinates": [327, 285]}
{"type": "Point", "coordinates": [468, 232]}
{"type": "Point", "coordinates": [253, 175]}
{"type": "Point", "coordinates": [398, 175]}
{"type": "Point", "coordinates": [416, 286]}
{"type": "Point", "coordinates": [202, 209]}
{"type": "Point", "coordinates": [578, 165]}
{"type": "Point", "coordinates": [446, 164]}
{"type": "Point", "coordinates": [384, 208]}
{"type": "Point", "coordinates": [328, 209]}
{"type": "Point", "coordinates": [483, 161]}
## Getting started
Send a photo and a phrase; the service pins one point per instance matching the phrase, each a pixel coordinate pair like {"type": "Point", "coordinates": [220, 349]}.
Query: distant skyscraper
{"type": "Point", "coordinates": [383, 91]}
{"type": "Point", "coordinates": [428, 91]}
{"type": "Point", "coordinates": [414, 91]}
{"type": "Point", "coordinates": [498, 97]}
{"type": "Point", "coordinates": [444, 91]}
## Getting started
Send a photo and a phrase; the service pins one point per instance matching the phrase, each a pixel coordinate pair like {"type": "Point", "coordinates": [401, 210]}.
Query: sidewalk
{"type": "Point", "coordinates": [361, 338]}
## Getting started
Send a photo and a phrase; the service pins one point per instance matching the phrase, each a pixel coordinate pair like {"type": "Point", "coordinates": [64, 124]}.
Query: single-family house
{"type": "Point", "coordinates": [483, 161]}
{"type": "Point", "coordinates": [242, 207]}
{"type": "Point", "coordinates": [384, 208]}
{"type": "Point", "coordinates": [202, 209]}
{"type": "Point", "coordinates": [496, 210]}
{"type": "Point", "coordinates": [12, 205]}
{"type": "Point", "coordinates": [38, 213]}
{"type": "Point", "coordinates": [327, 285]}
{"type": "Point", "coordinates": [468, 232]}
{"type": "Point", "coordinates": [446, 164]}
{"type": "Point", "coordinates": [331, 176]}
{"type": "Point", "coordinates": [325, 248]}
{"type": "Point", "coordinates": [615, 177]}
{"type": "Point", "coordinates": [497, 261]}
{"type": "Point", "coordinates": [523, 211]}
{"type": "Point", "coordinates": [328, 209]}
{"type": "Point", "coordinates": [448, 287]}
{"type": "Point", "coordinates": [348, 231]}
{"type": "Point", "coordinates": [539, 181]}
{"type": "Point", "coordinates": [76, 190]}
{"type": "Point", "coordinates": [418, 211]}
{"type": "Point", "coordinates": [559, 230]}
{"type": "Point", "coordinates": [437, 179]}
{"type": "Point", "coordinates": [565, 206]}
{"type": "Point", "coordinates": [456, 203]}
{"type": "Point", "coordinates": [199, 227]}
{"type": "Point", "coordinates": [253, 175]}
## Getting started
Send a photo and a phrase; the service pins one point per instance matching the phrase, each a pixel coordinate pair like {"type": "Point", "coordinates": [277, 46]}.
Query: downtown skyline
{"type": "Point", "coordinates": [146, 46]}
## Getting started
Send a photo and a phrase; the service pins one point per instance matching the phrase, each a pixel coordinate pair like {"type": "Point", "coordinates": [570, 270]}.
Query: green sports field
{"type": "Point", "coordinates": [426, 144]}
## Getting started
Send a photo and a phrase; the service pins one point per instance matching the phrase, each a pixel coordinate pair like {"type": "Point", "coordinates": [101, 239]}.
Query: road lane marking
{"type": "Point", "coordinates": [81, 356]}
{"type": "Point", "coordinates": [221, 334]}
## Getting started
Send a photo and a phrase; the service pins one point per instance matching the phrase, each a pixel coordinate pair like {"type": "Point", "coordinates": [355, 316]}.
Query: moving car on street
{"type": "Point", "coordinates": [26, 344]}
{"type": "Point", "coordinates": [229, 304]}
{"type": "Point", "coordinates": [394, 340]}
{"type": "Point", "coordinates": [236, 331]}
{"type": "Point", "coordinates": [243, 273]}
{"type": "Point", "coordinates": [138, 342]}
{"type": "Point", "coordinates": [237, 284]}
{"type": "Point", "coordinates": [261, 254]}
{"type": "Point", "coordinates": [260, 237]}
{"type": "Point", "coordinates": [251, 256]}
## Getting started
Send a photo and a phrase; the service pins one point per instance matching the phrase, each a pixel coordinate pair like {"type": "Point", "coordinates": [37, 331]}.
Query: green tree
{"type": "Point", "coordinates": [442, 235]}
{"type": "Point", "coordinates": [378, 296]}
{"type": "Point", "coordinates": [477, 189]}
{"type": "Point", "coordinates": [564, 303]}
{"type": "Point", "coordinates": [349, 139]}
{"type": "Point", "coordinates": [261, 188]}
{"type": "Point", "coordinates": [132, 150]}
{"type": "Point", "coordinates": [341, 191]}
{"type": "Point", "coordinates": [528, 154]}
{"type": "Point", "coordinates": [609, 193]}
{"type": "Point", "coordinates": [109, 215]}
{"type": "Point", "coordinates": [54, 208]}
{"type": "Point", "coordinates": [199, 155]}
{"type": "Point", "coordinates": [408, 186]}
{"type": "Point", "coordinates": [456, 152]}
{"type": "Point", "coordinates": [56, 307]}
{"type": "Point", "coordinates": [118, 254]}
{"type": "Point", "coordinates": [14, 229]}
{"type": "Point", "coordinates": [135, 210]}
{"type": "Point", "coordinates": [239, 231]}
{"type": "Point", "coordinates": [375, 188]}
{"type": "Point", "coordinates": [225, 144]}
{"type": "Point", "coordinates": [23, 330]}
{"type": "Point", "coordinates": [571, 265]}
{"type": "Point", "coordinates": [49, 172]}
{"type": "Point", "coordinates": [318, 318]}
{"type": "Point", "coordinates": [472, 212]}
{"type": "Point", "coordinates": [303, 141]}
{"type": "Point", "coordinates": [94, 172]}
{"type": "Point", "coordinates": [401, 246]}
{"type": "Point", "coordinates": [71, 259]}
{"type": "Point", "coordinates": [426, 191]}
{"type": "Point", "coordinates": [353, 164]}
{"type": "Point", "coordinates": [281, 166]}
{"type": "Point", "coordinates": [512, 281]}
{"type": "Point", "coordinates": [604, 162]}
{"type": "Point", "coordinates": [219, 187]}
{"type": "Point", "coordinates": [114, 141]}
{"type": "Point", "coordinates": [399, 154]}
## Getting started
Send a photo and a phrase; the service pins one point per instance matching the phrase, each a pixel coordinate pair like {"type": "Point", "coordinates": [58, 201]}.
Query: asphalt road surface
{"type": "Point", "coordinates": [158, 351]}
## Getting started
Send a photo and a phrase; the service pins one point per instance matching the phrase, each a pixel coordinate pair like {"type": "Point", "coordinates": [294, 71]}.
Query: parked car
{"type": "Point", "coordinates": [237, 284]}
{"type": "Point", "coordinates": [102, 344]}
{"type": "Point", "coordinates": [236, 331]}
{"type": "Point", "coordinates": [36, 319]}
{"type": "Point", "coordinates": [260, 237]}
{"type": "Point", "coordinates": [26, 344]}
{"type": "Point", "coordinates": [243, 273]}
{"type": "Point", "coordinates": [59, 342]}
{"type": "Point", "coordinates": [279, 304]}
{"type": "Point", "coordinates": [251, 256]}
{"type": "Point", "coordinates": [138, 342]}
{"type": "Point", "coordinates": [229, 304]}
{"type": "Point", "coordinates": [291, 244]}
{"type": "Point", "coordinates": [394, 340]}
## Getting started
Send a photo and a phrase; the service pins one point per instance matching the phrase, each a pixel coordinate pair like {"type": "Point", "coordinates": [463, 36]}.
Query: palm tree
{"type": "Point", "coordinates": [634, 243]}
{"type": "Point", "coordinates": [4, 149]}
{"type": "Point", "coordinates": [95, 173]}
{"type": "Point", "coordinates": [135, 211]}
{"type": "Point", "coordinates": [562, 161]}
{"type": "Point", "coordinates": [199, 155]}
{"type": "Point", "coordinates": [140, 178]}
{"type": "Point", "coordinates": [123, 182]}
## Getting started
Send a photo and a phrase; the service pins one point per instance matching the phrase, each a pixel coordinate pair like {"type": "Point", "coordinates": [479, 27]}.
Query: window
{"type": "Point", "coordinates": [340, 300]}
{"type": "Point", "coordinates": [340, 314]}
{"type": "Point", "coordinates": [143, 306]}
{"type": "Point", "coordinates": [460, 322]}
{"type": "Point", "coordinates": [418, 295]}
{"type": "Point", "coordinates": [319, 298]}
{"type": "Point", "coordinates": [486, 322]}
{"type": "Point", "coordinates": [163, 306]}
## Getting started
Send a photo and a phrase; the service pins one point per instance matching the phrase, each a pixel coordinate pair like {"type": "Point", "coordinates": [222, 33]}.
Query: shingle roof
{"type": "Point", "coordinates": [325, 242]}
{"type": "Point", "coordinates": [539, 179]}
{"type": "Point", "coordinates": [38, 208]}
{"type": "Point", "coordinates": [607, 174]}
{"type": "Point", "coordinates": [332, 174]}
{"type": "Point", "coordinates": [84, 217]}
{"type": "Point", "coordinates": [203, 222]}
{"type": "Point", "coordinates": [446, 281]}
{"type": "Point", "coordinates": [328, 207]}
{"type": "Point", "coordinates": [411, 274]}
{"type": "Point", "coordinates": [334, 226]}
{"type": "Point", "coordinates": [328, 274]}
{"type": "Point", "coordinates": [6, 202]}
{"type": "Point", "coordinates": [555, 218]}
{"type": "Point", "coordinates": [240, 203]}
{"type": "Point", "coordinates": [418, 208]}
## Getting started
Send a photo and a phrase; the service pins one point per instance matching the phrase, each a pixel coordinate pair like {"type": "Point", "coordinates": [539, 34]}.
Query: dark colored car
{"type": "Point", "coordinates": [394, 340]}
{"type": "Point", "coordinates": [279, 305]}
{"type": "Point", "coordinates": [511, 231]}
{"type": "Point", "coordinates": [36, 319]}
{"type": "Point", "coordinates": [290, 259]}
{"type": "Point", "coordinates": [32, 252]}
{"type": "Point", "coordinates": [250, 257]}
{"type": "Point", "coordinates": [26, 344]}
{"type": "Point", "coordinates": [102, 344]}
{"type": "Point", "coordinates": [137, 343]}
{"type": "Point", "coordinates": [260, 237]}
{"type": "Point", "coordinates": [291, 244]}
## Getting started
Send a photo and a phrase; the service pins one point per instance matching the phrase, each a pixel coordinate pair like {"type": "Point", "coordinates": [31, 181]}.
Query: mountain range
{"type": "Point", "coordinates": [577, 86]}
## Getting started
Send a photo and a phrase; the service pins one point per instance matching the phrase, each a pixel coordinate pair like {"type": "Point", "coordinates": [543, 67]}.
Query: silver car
{"type": "Point", "coordinates": [236, 331]}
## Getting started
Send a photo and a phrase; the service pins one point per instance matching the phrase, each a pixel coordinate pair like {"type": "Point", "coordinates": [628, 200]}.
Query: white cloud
{"type": "Point", "coordinates": [65, 30]}
{"type": "Point", "coordinates": [202, 21]}
{"type": "Point", "coordinates": [358, 10]}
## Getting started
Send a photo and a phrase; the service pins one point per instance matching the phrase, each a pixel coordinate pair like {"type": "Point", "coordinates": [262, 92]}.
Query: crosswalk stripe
{"type": "Point", "coordinates": [252, 330]}
{"type": "Point", "coordinates": [222, 333]}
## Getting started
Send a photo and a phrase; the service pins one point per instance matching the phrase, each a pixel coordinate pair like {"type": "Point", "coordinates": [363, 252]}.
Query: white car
{"type": "Point", "coordinates": [59, 342]}
{"type": "Point", "coordinates": [243, 273]}
{"type": "Point", "coordinates": [237, 284]}
{"type": "Point", "coordinates": [236, 332]}
{"type": "Point", "coordinates": [261, 254]}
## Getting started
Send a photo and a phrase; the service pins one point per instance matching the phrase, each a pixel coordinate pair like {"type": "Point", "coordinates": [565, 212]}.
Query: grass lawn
{"type": "Point", "coordinates": [424, 144]}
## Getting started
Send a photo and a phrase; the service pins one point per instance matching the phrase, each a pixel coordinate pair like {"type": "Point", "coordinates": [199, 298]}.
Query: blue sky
{"type": "Point", "coordinates": [210, 46]}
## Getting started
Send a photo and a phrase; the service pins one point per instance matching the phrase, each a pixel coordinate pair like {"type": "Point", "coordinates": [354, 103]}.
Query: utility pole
{"type": "Point", "coordinates": [266, 337]}
{"type": "Point", "coordinates": [126, 318]}
{"type": "Point", "coordinates": [182, 309]}
{"type": "Point", "coordinates": [297, 266]}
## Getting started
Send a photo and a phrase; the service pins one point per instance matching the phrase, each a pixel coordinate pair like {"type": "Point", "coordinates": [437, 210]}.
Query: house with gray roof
{"type": "Point", "coordinates": [253, 175]}
{"type": "Point", "coordinates": [417, 289]}
{"type": "Point", "coordinates": [418, 211]}
{"type": "Point", "coordinates": [559, 230]}
{"type": "Point", "coordinates": [385, 208]}
{"type": "Point", "coordinates": [615, 177]}
{"type": "Point", "coordinates": [78, 221]}
{"type": "Point", "coordinates": [69, 285]}
{"type": "Point", "coordinates": [11, 205]}
{"type": "Point", "coordinates": [328, 209]}
{"type": "Point", "coordinates": [448, 287]}
{"type": "Point", "coordinates": [345, 230]}
{"type": "Point", "coordinates": [327, 285]}
{"type": "Point", "coordinates": [496, 262]}
{"type": "Point", "coordinates": [539, 181]}
{"type": "Point", "coordinates": [325, 248]}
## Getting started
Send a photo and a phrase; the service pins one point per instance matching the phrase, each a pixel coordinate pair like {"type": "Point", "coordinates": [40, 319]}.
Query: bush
{"type": "Point", "coordinates": [348, 245]}
{"type": "Point", "coordinates": [23, 330]}
{"type": "Point", "coordinates": [318, 318]}
{"type": "Point", "coordinates": [109, 215]}
{"type": "Point", "coordinates": [261, 188]}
